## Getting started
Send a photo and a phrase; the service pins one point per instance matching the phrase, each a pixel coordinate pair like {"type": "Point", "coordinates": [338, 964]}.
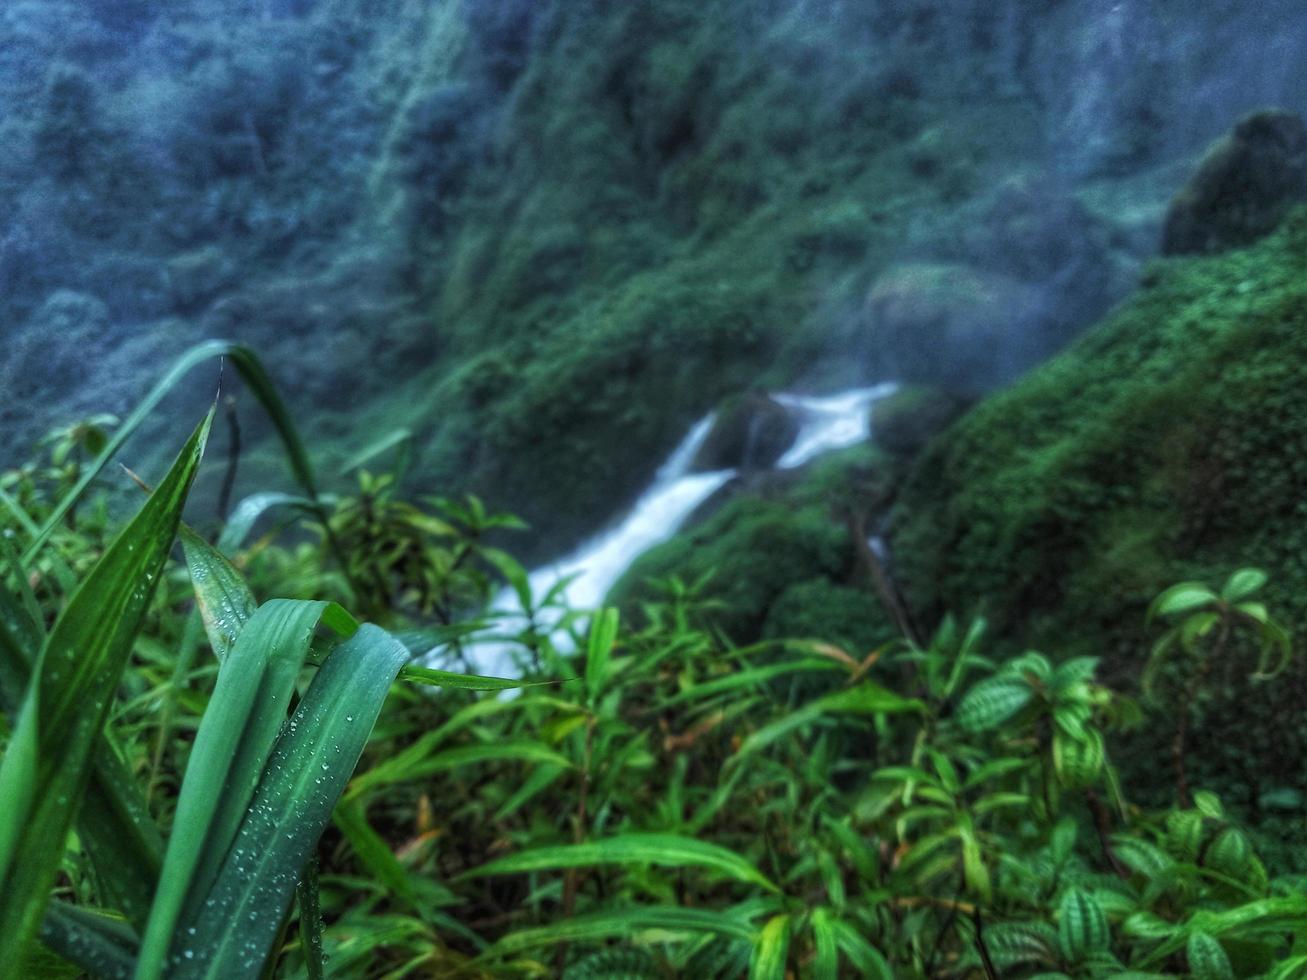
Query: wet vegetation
{"type": "Point", "coordinates": [1005, 683]}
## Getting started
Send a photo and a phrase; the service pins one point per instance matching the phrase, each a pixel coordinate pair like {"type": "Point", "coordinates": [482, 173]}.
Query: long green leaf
{"type": "Point", "coordinates": [310, 765]}
{"type": "Point", "coordinates": [235, 738]}
{"type": "Point", "coordinates": [103, 946]}
{"type": "Point", "coordinates": [259, 384]}
{"type": "Point", "coordinates": [865, 699]}
{"type": "Point", "coordinates": [80, 668]}
{"type": "Point", "coordinates": [668, 850]}
{"type": "Point", "coordinates": [114, 824]}
{"type": "Point", "coordinates": [770, 950]}
{"type": "Point", "coordinates": [625, 923]}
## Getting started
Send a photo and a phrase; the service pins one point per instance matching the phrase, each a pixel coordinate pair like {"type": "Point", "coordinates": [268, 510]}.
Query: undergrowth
{"type": "Point", "coordinates": [652, 800]}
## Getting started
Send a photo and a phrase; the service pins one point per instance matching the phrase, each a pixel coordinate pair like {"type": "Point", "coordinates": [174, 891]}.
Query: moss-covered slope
{"type": "Point", "coordinates": [1169, 443]}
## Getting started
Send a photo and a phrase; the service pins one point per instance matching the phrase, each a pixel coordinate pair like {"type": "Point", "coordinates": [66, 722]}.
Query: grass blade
{"type": "Point", "coordinates": [668, 850]}
{"type": "Point", "coordinates": [235, 738]}
{"type": "Point", "coordinates": [102, 946]}
{"type": "Point", "coordinates": [224, 600]}
{"type": "Point", "coordinates": [80, 668]}
{"type": "Point", "coordinates": [313, 760]}
{"type": "Point", "coordinates": [770, 950]}
{"type": "Point", "coordinates": [259, 384]}
{"type": "Point", "coordinates": [626, 923]}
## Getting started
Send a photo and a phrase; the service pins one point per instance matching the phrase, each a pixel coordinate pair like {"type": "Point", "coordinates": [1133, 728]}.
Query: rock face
{"type": "Point", "coordinates": [905, 421]}
{"type": "Point", "coordinates": [947, 324]}
{"type": "Point", "coordinates": [1246, 182]}
{"type": "Point", "coordinates": [751, 432]}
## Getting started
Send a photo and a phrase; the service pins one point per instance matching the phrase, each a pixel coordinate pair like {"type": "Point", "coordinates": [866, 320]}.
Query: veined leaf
{"type": "Point", "coordinates": [668, 850]}
{"type": "Point", "coordinates": [826, 962]}
{"type": "Point", "coordinates": [1207, 958]}
{"type": "Point", "coordinates": [1082, 925]}
{"type": "Point", "coordinates": [80, 668]}
{"type": "Point", "coordinates": [992, 702]}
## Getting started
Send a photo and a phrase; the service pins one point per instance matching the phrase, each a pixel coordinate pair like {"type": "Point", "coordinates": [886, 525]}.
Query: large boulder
{"type": "Point", "coordinates": [1243, 187]}
{"type": "Point", "coordinates": [750, 432]}
{"type": "Point", "coordinates": [952, 325]}
{"type": "Point", "coordinates": [905, 421]}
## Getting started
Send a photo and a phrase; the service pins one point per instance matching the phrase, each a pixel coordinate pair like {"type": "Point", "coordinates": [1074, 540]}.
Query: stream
{"type": "Point", "coordinates": [826, 423]}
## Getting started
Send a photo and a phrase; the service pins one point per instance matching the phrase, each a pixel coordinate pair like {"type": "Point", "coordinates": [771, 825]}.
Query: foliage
{"type": "Point", "coordinates": [659, 802]}
{"type": "Point", "coordinates": [1157, 449]}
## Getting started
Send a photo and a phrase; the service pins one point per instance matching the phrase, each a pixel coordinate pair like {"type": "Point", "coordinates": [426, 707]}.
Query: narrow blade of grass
{"type": "Point", "coordinates": [79, 671]}
{"type": "Point", "coordinates": [259, 384]}
{"type": "Point", "coordinates": [102, 946]}
{"type": "Point", "coordinates": [625, 923]}
{"type": "Point", "coordinates": [668, 850]}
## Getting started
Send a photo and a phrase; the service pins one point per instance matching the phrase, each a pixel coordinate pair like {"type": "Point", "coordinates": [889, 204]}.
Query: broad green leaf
{"type": "Point", "coordinates": [1242, 584]}
{"type": "Point", "coordinates": [866, 959]}
{"type": "Point", "coordinates": [770, 950]}
{"type": "Point", "coordinates": [668, 850]}
{"type": "Point", "coordinates": [992, 702]}
{"type": "Point", "coordinates": [114, 824]}
{"type": "Point", "coordinates": [864, 699]}
{"type": "Point", "coordinates": [1181, 598]}
{"type": "Point", "coordinates": [1207, 959]}
{"type": "Point", "coordinates": [1082, 925]}
{"type": "Point", "coordinates": [103, 946]}
{"type": "Point", "coordinates": [626, 923]}
{"type": "Point", "coordinates": [310, 765]}
{"type": "Point", "coordinates": [240, 522]}
{"type": "Point", "coordinates": [80, 669]}
{"type": "Point", "coordinates": [1209, 804]}
{"type": "Point", "coordinates": [234, 741]}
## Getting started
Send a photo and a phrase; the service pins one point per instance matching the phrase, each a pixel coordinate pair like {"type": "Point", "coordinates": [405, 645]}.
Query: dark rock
{"type": "Point", "coordinates": [1245, 183]}
{"type": "Point", "coordinates": [905, 421]}
{"type": "Point", "coordinates": [951, 325]}
{"type": "Point", "coordinates": [751, 432]}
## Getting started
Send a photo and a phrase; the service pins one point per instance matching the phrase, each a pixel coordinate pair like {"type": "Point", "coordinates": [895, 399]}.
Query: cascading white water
{"type": "Point", "coordinates": [830, 422]}
{"type": "Point", "coordinates": [825, 423]}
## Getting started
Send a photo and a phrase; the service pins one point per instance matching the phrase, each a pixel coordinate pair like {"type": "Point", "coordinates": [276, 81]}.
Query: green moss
{"type": "Point", "coordinates": [850, 617]}
{"type": "Point", "coordinates": [1167, 444]}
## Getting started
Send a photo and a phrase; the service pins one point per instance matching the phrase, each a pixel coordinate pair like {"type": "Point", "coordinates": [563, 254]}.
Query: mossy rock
{"type": "Point", "coordinates": [1243, 187]}
{"type": "Point", "coordinates": [750, 432]}
{"type": "Point", "coordinates": [905, 421]}
{"type": "Point", "coordinates": [1169, 443]}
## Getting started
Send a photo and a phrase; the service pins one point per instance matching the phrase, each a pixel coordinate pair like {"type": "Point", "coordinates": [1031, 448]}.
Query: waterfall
{"type": "Point", "coordinates": [826, 423]}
